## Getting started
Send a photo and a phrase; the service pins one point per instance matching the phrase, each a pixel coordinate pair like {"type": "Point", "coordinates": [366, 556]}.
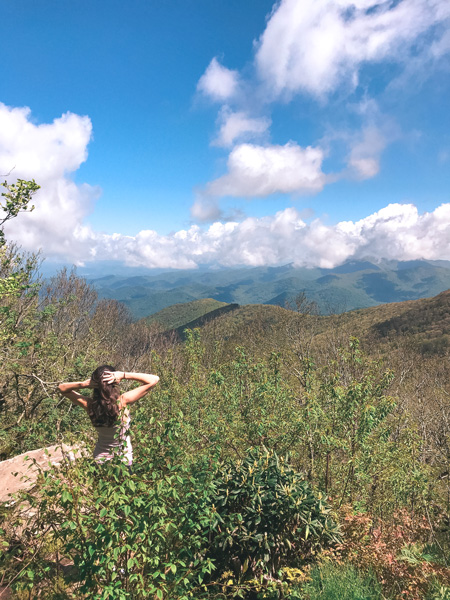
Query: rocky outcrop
{"type": "Point", "coordinates": [20, 472]}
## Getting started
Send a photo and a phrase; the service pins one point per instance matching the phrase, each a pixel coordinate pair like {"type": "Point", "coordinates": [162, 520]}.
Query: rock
{"type": "Point", "coordinates": [20, 473]}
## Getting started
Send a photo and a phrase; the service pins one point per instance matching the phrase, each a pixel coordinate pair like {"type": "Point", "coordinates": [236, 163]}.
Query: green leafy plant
{"type": "Point", "coordinates": [266, 515]}
{"type": "Point", "coordinates": [171, 528]}
{"type": "Point", "coordinates": [16, 199]}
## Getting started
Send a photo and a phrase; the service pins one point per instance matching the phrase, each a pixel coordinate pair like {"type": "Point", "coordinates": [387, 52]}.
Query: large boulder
{"type": "Point", "coordinates": [20, 472]}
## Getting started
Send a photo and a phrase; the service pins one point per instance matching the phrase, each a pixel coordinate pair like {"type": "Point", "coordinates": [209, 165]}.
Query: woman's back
{"type": "Point", "coordinates": [114, 439]}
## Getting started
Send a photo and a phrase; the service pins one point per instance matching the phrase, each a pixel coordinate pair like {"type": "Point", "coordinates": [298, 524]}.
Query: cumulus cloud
{"type": "Point", "coordinates": [238, 125]}
{"type": "Point", "coordinates": [262, 170]}
{"type": "Point", "coordinates": [45, 151]}
{"type": "Point", "coordinates": [218, 82]}
{"type": "Point", "coordinates": [397, 231]}
{"type": "Point", "coordinates": [48, 153]}
{"type": "Point", "coordinates": [206, 209]}
{"type": "Point", "coordinates": [315, 45]}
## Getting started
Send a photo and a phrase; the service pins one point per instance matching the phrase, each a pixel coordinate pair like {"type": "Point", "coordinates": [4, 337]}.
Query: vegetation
{"type": "Point", "coordinates": [425, 323]}
{"type": "Point", "coordinates": [172, 529]}
{"type": "Point", "coordinates": [178, 315]}
{"type": "Point", "coordinates": [280, 456]}
{"type": "Point", "coordinates": [428, 321]}
{"type": "Point", "coordinates": [337, 583]}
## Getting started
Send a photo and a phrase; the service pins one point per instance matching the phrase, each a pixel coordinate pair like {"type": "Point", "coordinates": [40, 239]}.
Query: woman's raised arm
{"type": "Point", "coordinates": [149, 381]}
{"type": "Point", "coordinates": [68, 390]}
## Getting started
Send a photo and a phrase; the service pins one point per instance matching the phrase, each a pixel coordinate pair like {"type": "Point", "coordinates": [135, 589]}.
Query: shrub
{"type": "Point", "coordinates": [266, 516]}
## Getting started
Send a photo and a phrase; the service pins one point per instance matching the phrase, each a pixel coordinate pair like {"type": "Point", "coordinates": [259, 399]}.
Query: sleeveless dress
{"type": "Point", "coordinates": [114, 440]}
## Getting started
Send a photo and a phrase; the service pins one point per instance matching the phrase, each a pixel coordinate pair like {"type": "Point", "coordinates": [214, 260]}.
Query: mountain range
{"type": "Point", "coordinates": [352, 285]}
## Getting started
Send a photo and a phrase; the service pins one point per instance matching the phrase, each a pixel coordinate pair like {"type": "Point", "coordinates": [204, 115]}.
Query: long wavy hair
{"type": "Point", "coordinates": [103, 407]}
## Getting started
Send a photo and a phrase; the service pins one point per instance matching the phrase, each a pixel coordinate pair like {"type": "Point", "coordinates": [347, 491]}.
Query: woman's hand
{"type": "Point", "coordinates": [112, 376]}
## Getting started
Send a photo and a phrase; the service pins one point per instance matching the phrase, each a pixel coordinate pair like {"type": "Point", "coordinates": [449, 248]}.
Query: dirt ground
{"type": "Point", "coordinates": [19, 473]}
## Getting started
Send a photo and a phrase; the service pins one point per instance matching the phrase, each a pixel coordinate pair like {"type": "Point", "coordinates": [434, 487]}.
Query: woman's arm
{"type": "Point", "coordinates": [68, 390]}
{"type": "Point", "coordinates": [149, 381]}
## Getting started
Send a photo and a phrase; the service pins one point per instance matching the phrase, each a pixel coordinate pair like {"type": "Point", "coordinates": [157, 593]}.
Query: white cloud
{"type": "Point", "coordinates": [397, 231]}
{"type": "Point", "coordinates": [42, 151]}
{"type": "Point", "coordinates": [262, 170]}
{"type": "Point", "coordinates": [315, 45]}
{"type": "Point", "coordinates": [48, 153]}
{"type": "Point", "coordinates": [364, 146]}
{"type": "Point", "coordinates": [218, 82]}
{"type": "Point", "coordinates": [238, 125]}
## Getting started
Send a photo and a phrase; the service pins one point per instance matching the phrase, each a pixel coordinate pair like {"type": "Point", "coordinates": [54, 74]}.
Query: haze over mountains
{"type": "Point", "coordinates": [352, 285]}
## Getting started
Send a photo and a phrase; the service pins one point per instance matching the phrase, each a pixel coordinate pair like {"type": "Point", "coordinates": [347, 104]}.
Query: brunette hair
{"type": "Point", "coordinates": [103, 407]}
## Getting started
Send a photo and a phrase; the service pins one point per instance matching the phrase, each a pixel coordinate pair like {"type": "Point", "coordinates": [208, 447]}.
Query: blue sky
{"type": "Point", "coordinates": [178, 133]}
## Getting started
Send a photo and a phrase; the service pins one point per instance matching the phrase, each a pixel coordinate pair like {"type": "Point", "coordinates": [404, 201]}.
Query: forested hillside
{"type": "Point", "coordinates": [352, 285]}
{"type": "Point", "coordinates": [178, 315]}
{"type": "Point", "coordinates": [282, 454]}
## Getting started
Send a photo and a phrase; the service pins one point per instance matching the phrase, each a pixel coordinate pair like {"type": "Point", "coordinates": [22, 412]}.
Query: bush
{"type": "Point", "coordinates": [266, 516]}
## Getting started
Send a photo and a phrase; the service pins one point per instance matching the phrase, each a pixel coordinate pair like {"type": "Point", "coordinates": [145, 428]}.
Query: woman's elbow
{"type": "Point", "coordinates": [155, 379]}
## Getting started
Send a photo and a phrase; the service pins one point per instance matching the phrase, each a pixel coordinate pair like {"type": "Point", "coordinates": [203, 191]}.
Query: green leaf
{"type": "Point", "coordinates": [66, 496]}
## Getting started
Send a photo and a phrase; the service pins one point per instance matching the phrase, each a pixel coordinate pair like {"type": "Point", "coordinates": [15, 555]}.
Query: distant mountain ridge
{"type": "Point", "coordinates": [352, 285]}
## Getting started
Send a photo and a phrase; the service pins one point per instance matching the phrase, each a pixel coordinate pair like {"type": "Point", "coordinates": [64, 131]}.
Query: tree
{"type": "Point", "coordinates": [15, 199]}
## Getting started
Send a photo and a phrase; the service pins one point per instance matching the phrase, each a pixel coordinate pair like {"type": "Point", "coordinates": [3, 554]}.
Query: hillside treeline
{"type": "Point", "coordinates": [285, 457]}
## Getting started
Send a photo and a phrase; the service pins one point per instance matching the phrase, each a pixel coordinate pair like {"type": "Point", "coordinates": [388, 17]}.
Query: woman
{"type": "Point", "coordinates": [108, 408]}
